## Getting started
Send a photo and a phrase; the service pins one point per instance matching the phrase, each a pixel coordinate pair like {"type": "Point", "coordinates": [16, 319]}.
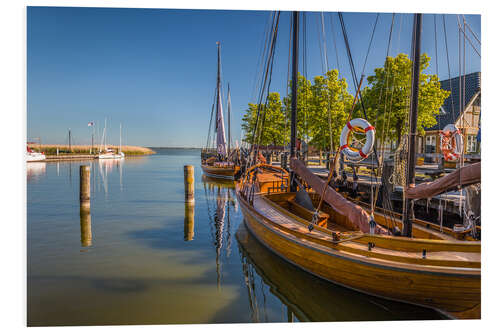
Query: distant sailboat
{"type": "Point", "coordinates": [109, 153]}
{"type": "Point", "coordinates": [34, 156]}
{"type": "Point", "coordinates": [219, 162]}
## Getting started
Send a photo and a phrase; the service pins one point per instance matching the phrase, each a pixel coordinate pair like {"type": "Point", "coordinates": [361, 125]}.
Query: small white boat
{"type": "Point", "coordinates": [108, 152]}
{"type": "Point", "coordinates": [32, 156]}
{"type": "Point", "coordinates": [111, 154]}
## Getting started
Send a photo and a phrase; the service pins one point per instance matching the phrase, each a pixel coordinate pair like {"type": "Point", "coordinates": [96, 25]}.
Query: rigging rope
{"type": "Point", "coordinates": [210, 126]}
{"type": "Point", "coordinates": [449, 71]}
{"type": "Point", "coordinates": [327, 91]}
{"type": "Point", "coordinates": [304, 70]}
{"type": "Point", "coordinates": [465, 35]}
{"type": "Point", "coordinates": [370, 44]}
{"type": "Point", "coordinates": [332, 166]}
{"type": "Point", "coordinates": [271, 48]}
{"type": "Point", "coordinates": [353, 73]}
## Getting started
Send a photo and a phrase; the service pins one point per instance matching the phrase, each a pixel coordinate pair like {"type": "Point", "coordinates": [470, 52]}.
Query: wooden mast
{"type": "Point", "coordinates": [295, 69]}
{"type": "Point", "coordinates": [228, 120]}
{"type": "Point", "coordinates": [415, 83]}
{"type": "Point", "coordinates": [218, 93]}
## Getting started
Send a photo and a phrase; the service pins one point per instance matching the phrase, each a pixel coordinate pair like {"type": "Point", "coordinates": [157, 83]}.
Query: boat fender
{"type": "Point", "coordinates": [424, 253]}
{"type": "Point", "coordinates": [370, 246]}
{"type": "Point", "coordinates": [451, 142]}
{"type": "Point", "coordinates": [357, 155]}
{"type": "Point", "coordinates": [396, 231]}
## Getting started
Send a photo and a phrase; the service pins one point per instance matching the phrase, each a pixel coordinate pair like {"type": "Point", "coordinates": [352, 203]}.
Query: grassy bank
{"type": "Point", "coordinates": [85, 149]}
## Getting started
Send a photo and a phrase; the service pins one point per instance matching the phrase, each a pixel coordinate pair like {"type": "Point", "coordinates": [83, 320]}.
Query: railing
{"type": "Point", "coordinates": [278, 186]}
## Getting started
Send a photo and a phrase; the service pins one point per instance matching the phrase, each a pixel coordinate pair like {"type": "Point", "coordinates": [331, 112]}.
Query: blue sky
{"type": "Point", "coordinates": [154, 70]}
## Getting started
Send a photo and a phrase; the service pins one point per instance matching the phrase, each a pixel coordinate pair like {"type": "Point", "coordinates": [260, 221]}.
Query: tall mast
{"type": "Point", "coordinates": [218, 78]}
{"type": "Point", "coordinates": [228, 119]}
{"type": "Point", "coordinates": [120, 150]}
{"type": "Point", "coordinates": [219, 124]}
{"type": "Point", "coordinates": [295, 69]}
{"type": "Point", "coordinates": [415, 83]}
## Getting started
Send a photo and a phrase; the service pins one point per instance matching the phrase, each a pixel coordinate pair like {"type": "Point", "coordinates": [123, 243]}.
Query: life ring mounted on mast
{"type": "Point", "coordinates": [353, 154]}
{"type": "Point", "coordinates": [452, 142]}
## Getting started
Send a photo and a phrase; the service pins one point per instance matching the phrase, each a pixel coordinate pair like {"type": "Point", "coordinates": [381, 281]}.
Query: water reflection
{"type": "Point", "coordinates": [107, 166]}
{"type": "Point", "coordinates": [85, 227]}
{"type": "Point", "coordinates": [188, 221]}
{"type": "Point", "coordinates": [35, 170]}
{"type": "Point", "coordinates": [305, 297]}
{"type": "Point", "coordinates": [219, 196]}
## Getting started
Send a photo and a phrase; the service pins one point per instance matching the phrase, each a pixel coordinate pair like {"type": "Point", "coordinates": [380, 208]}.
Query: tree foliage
{"type": "Point", "coordinates": [387, 97]}
{"type": "Point", "coordinates": [271, 129]}
{"type": "Point", "coordinates": [331, 101]}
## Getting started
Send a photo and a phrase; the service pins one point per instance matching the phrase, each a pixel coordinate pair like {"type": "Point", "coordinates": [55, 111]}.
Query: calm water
{"type": "Point", "coordinates": [143, 257]}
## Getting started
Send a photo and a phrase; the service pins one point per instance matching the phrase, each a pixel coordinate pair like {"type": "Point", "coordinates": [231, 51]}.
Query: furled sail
{"type": "Point", "coordinates": [355, 214]}
{"type": "Point", "coordinates": [467, 175]}
{"type": "Point", "coordinates": [221, 135]}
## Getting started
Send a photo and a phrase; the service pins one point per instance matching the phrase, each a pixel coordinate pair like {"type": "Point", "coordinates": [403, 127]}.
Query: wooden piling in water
{"type": "Point", "coordinates": [85, 218]}
{"type": "Point", "coordinates": [188, 221]}
{"type": "Point", "coordinates": [189, 183]}
{"type": "Point", "coordinates": [85, 186]}
{"type": "Point", "coordinates": [85, 227]}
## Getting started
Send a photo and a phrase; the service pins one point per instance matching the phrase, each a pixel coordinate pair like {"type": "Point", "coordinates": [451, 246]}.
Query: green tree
{"type": "Point", "coordinates": [304, 112]}
{"type": "Point", "coordinates": [386, 98]}
{"type": "Point", "coordinates": [271, 129]}
{"type": "Point", "coordinates": [330, 98]}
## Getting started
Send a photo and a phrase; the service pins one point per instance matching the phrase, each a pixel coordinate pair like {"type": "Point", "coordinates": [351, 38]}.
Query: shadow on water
{"type": "Point", "coordinates": [306, 297]}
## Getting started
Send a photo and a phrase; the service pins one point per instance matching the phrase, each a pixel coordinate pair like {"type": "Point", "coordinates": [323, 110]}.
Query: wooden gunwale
{"type": "Point", "coordinates": [383, 213]}
{"type": "Point", "coordinates": [346, 248]}
{"type": "Point", "coordinates": [392, 242]}
{"type": "Point", "coordinates": [415, 286]}
{"type": "Point", "coordinates": [220, 172]}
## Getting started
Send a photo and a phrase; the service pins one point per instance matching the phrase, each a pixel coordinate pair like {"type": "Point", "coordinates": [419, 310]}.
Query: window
{"type": "Point", "coordinates": [430, 144]}
{"type": "Point", "coordinates": [471, 143]}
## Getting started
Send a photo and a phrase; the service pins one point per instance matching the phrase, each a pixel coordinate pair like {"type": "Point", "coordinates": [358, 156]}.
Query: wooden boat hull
{"type": "Point", "coordinates": [220, 172]}
{"type": "Point", "coordinates": [316, 299]}
{"type": "Point", "coordinates": [452, 291]}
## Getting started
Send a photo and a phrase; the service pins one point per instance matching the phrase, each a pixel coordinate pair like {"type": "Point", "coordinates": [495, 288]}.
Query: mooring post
{"type": "Point", "coordinates": [85, 218]}
{"type": "Point", "coordinates": [85, 186]}
{"type": "Point", "coordinates": [188, 221]}
{"type": "Point", "coordinates": [189, 183]}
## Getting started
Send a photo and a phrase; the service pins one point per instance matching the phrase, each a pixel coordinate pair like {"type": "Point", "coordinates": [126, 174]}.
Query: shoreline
{"type": "Point", "coordinates": [83, 151]}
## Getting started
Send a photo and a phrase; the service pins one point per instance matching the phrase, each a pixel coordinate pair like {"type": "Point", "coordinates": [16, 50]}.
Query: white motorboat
{"type": "Point", "coordinates": [32, 156]}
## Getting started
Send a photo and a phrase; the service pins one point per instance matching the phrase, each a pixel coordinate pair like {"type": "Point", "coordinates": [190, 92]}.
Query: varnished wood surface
{"type": "Point", "coordinates": [220, 172]}
{"type": "Point", "coordinates": [447, 279]}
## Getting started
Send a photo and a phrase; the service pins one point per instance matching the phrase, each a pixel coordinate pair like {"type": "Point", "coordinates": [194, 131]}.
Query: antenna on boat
{"type": "Point", "coordinates": [412, 135]}
{"type": "Point", "coordinates": [295, 69]}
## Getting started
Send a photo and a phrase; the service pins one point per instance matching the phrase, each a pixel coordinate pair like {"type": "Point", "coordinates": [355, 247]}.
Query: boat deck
{"type": "Point", "coordinates": [274, 214]}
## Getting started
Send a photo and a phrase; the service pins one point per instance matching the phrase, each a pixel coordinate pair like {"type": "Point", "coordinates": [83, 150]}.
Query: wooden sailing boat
{"type": "Point", "coordinates": [345, 246]}
{"type": "Point", "coordinates": [316, 299]}
{"type": "Point", "coordinates": [219, 162]}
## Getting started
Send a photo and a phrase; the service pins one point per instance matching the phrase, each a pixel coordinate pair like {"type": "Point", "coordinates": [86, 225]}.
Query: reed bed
{"type": "Point", "coordinates": [85, 149]}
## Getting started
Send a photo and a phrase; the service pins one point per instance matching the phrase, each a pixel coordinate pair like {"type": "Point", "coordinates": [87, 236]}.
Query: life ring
{"type": "Point", "coordinates": [452, 142]}
{"type": "Point", "coordinates": [354, 154]}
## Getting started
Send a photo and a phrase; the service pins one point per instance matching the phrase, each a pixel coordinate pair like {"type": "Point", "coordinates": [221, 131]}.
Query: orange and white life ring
{"type": "Point", "coordinates": [452, 142]}
{"type": "Point", "coordinates": [354, 154]}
